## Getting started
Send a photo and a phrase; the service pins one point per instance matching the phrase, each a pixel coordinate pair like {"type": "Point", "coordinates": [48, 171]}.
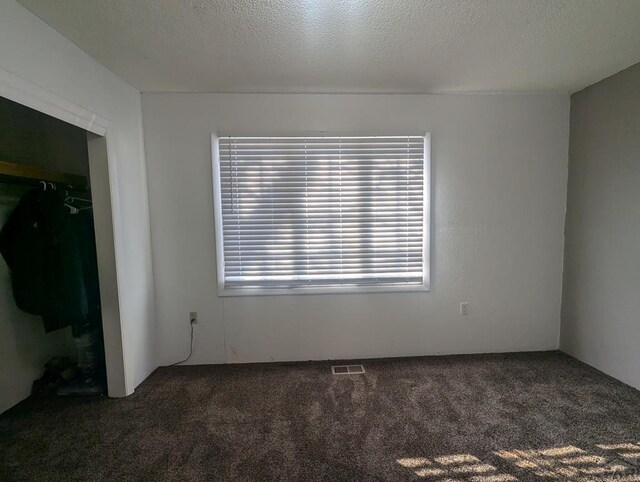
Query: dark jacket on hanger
{"type": "Point", "coordinates": [48, 252]}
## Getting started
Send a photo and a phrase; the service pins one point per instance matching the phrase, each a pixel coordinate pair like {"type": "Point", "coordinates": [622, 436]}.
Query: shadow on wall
{"type": "Point", "coordinates": [605, 463]}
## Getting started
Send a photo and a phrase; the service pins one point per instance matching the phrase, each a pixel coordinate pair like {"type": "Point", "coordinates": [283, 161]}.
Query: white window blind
{"type": "Point", "coordinates": [321, 212]}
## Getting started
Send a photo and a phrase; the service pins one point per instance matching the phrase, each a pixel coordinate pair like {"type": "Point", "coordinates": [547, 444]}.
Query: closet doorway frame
{"type": "Point", "coordinates": [104, 189]}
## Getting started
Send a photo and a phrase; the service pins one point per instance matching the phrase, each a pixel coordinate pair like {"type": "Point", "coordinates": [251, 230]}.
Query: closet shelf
{"type": "Point", "coordinates": [12, 172]}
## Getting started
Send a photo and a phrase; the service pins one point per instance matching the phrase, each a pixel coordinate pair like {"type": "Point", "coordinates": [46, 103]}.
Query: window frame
{"type": "Point", "coordinates": [219, 236]}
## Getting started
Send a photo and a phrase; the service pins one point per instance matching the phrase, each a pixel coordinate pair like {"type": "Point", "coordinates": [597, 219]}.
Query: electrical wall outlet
{"type": "Point", "coordinates": [193, 317]}
{"type": "Point", "coordinates": [464, 308]}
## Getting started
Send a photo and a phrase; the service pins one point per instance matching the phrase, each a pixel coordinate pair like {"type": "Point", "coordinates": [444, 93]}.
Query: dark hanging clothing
{"type": "Point", "coordinates": [51, 255]}
{"type": "Point", "coordinates": [86, 240]}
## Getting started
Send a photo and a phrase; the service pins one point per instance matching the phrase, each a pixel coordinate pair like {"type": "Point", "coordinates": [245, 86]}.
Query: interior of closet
{"type": "Point", "coordinates": [50, 326]}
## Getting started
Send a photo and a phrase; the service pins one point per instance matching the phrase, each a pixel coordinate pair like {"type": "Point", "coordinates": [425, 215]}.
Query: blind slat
{"type": "Point", "coordinates": [322, 211]}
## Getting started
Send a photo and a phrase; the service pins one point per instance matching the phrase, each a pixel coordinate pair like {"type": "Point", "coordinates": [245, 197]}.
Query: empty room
{"type": "Point", "coordinates": [320, 240]}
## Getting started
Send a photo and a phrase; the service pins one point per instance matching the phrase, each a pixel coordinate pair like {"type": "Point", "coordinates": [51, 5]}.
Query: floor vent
{"type": "Point", "coordinates": [347, 369]}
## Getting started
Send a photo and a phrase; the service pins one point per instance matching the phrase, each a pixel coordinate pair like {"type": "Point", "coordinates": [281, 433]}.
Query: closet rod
{"type": "Point", "coordinates": [20, 173]}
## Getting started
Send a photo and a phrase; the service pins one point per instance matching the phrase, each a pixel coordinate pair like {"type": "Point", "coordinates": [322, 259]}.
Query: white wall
{"type": "Point", "coordinates": [32, 51]}
{"type": "Point", "coordinates": [601, 302]}
{"type": "Point", "coordinates": [499, 188]}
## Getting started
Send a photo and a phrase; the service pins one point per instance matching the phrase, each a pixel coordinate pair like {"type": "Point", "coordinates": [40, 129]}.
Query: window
{"type": "Point", "coordinates": [321, 214]}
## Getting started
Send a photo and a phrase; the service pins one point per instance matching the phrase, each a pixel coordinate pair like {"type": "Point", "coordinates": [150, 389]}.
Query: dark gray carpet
{"type": "Point", "coordinates": [488, 418]}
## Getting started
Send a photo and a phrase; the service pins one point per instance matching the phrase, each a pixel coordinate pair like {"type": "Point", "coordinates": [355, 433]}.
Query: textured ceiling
{"type": "Point", "coordinates": [353, 45]}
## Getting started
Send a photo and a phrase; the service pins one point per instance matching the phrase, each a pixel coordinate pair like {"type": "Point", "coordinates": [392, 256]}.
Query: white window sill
{"type": "Point", "coordinates": [323, 290]}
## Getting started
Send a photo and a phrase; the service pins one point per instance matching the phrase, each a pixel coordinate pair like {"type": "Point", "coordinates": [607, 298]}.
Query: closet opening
{"type": "Point", "coordinates": [57, 262]}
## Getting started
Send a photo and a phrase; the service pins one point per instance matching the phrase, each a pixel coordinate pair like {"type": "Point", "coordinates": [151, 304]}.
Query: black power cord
{"type": "Point", "coordinates": [190, 350]}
